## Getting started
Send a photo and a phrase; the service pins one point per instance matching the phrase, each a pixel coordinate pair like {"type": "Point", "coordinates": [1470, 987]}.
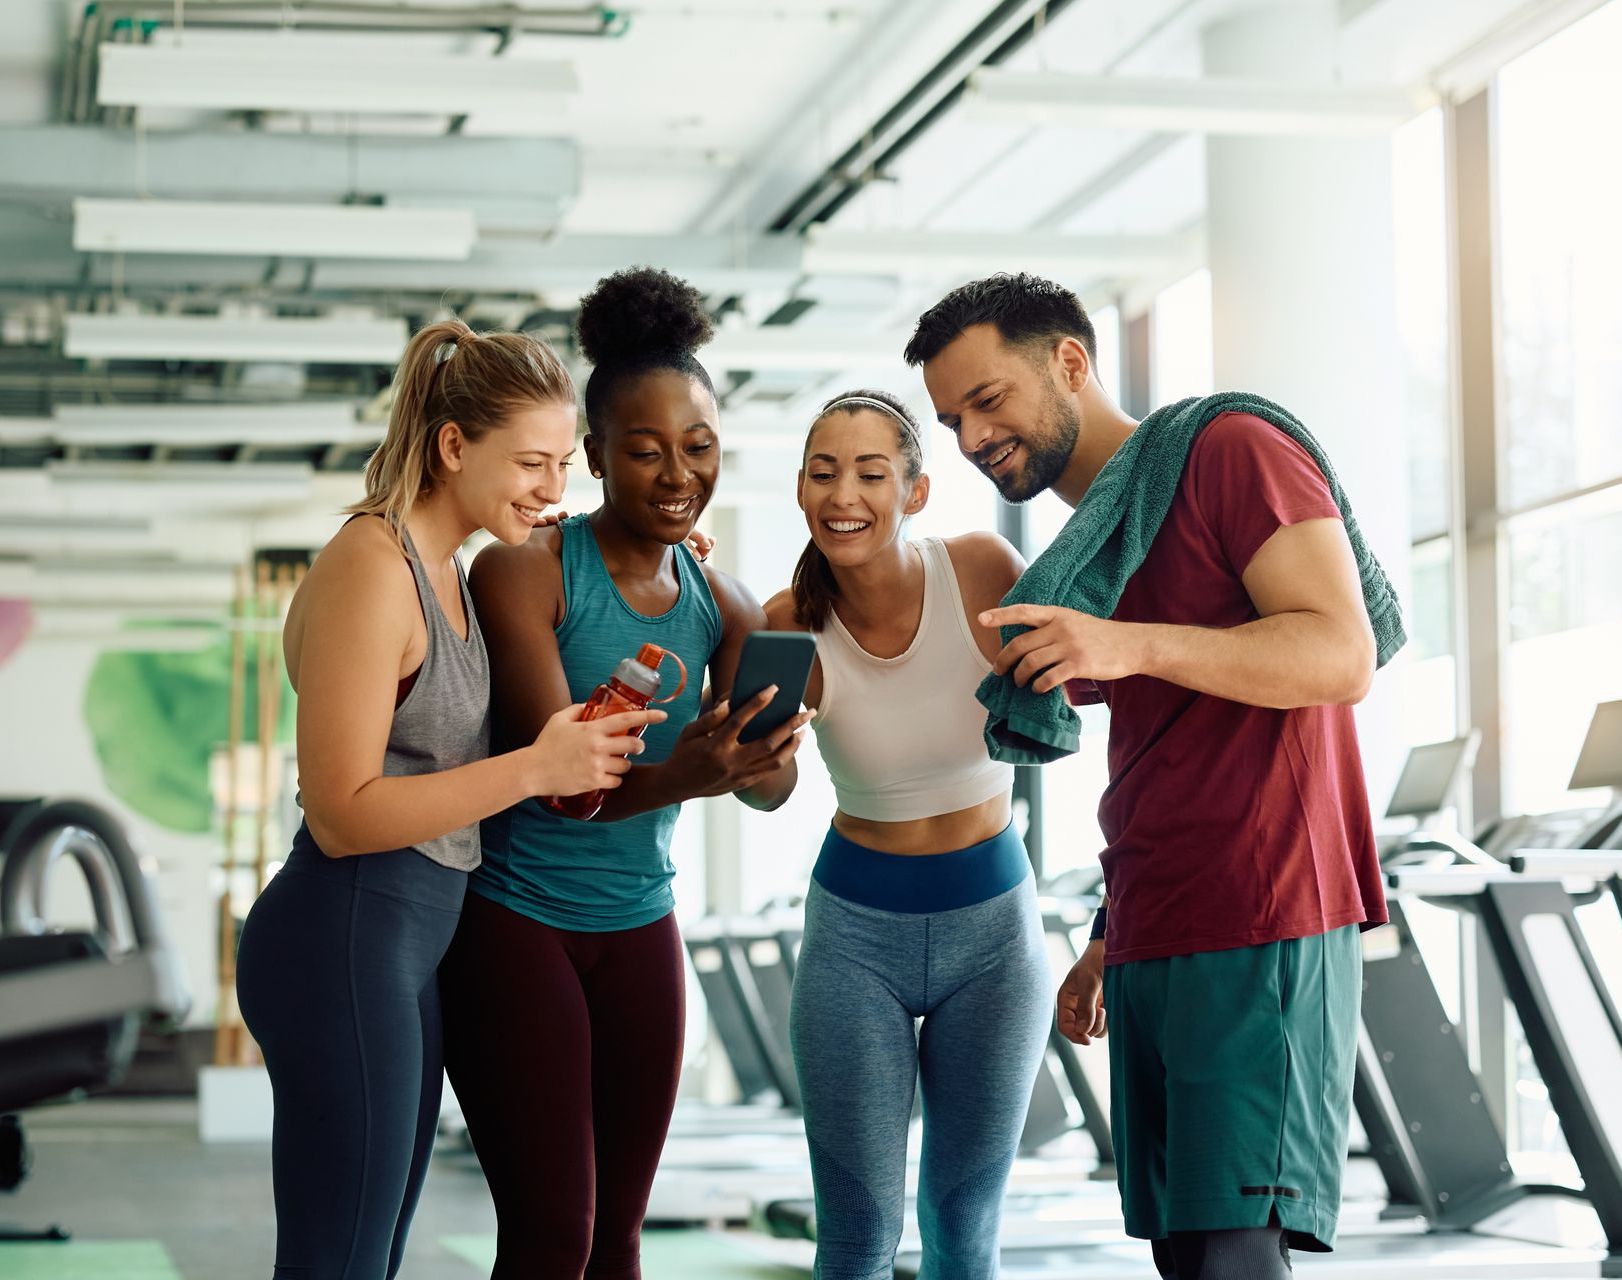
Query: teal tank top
{"type": "Point", "coordinates": [591, 877]}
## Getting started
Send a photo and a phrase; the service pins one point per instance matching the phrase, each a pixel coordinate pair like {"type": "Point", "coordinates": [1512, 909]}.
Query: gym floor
{"type": "Point", "coordinates": [145, 1200]}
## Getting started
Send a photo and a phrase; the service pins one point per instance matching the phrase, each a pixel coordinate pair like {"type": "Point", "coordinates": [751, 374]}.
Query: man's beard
{"type": "Point", "coordinates": [1047, 452]}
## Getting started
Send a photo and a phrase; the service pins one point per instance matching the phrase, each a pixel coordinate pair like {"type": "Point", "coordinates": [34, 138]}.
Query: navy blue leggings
{"type": "Point", "coordinates": [336, 976]}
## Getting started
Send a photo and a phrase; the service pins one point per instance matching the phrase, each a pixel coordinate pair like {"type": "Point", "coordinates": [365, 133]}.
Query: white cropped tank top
{"type": "Point", "coordinates": [904, 737]}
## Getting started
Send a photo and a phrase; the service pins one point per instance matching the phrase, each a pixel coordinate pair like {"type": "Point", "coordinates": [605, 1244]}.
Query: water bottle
{"type": "Point", "coordinates": [633, 686]}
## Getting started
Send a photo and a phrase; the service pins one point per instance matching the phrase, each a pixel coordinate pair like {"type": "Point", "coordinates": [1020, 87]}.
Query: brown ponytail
{"type": "Point", "coordinates": [813, 588]}
{"type": "Point", "coordinates": [449, 373]}
{"type": "Point", "coordinates": [813, 585]}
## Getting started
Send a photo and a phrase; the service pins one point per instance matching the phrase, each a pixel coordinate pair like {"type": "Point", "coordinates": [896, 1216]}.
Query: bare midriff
{"type": "Point", "coordinates": [943, 833]}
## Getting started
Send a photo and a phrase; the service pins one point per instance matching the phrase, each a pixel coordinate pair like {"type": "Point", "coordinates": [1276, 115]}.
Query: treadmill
{"type": "Point", "coordinates": [1440, 1153]}
{"type": "Point", "coordinates": [1566, 1008]}
{"type": "Point", "coordinates": [1595, 853]}
{"type": "Point", "coordinates": [50, 980]}
{"type": "Point", "coordinates": [723, 1159]}
{"type": "Point", "coordinates": [1598, 767]}
{"type": "Point", "coordinates": [72, 1003]}
{"type": "Point", "coordinates": [737, 1006]}
{"type": "Point", "coordinates": [1570, 1019]}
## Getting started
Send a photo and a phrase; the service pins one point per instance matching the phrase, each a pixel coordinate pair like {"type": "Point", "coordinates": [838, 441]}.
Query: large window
{"type": "Point", "coordinates": [1565, 627]}
{"type": "Point", "coordinates": [1561, 262]}
{"type": "Point", "coordinates": [1561, 353]}
{"type": "Point", "coordinates": [1419, 236]}
{"type": "Point", "coordinates": [960, 497]}
{"type": "Point", "coordinates": [1107, 336]}
{"type": "Point", "coordinates": [1420, 251]}
{"type": "Point", "coordinates": [1184, 360]}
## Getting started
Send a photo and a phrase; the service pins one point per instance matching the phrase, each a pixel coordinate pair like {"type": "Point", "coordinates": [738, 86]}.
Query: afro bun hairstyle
{"type": "Point", "coordinates": [640, 313]}
{"type": "Point", "coordinates": [637, 322]}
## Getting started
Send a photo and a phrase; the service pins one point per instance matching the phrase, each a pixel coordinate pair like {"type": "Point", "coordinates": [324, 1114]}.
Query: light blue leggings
{"type": "Point", "coordinates": [977, 976]}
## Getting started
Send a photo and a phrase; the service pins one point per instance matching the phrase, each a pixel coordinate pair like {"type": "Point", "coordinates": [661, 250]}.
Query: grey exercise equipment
{"type": "Point", "coordinates": [72, 1003]}
{"type": "Point", "coordinates": [1598, 766]}
{"type": "Point", "coordinates": [1570, 1019]}
{"type": "Point", "coordinates": [1430, 1131]}
{"type": "Point", "coordinates": [1440, 1155]}
{"type": "Point", "coordinates": [722, 1160]}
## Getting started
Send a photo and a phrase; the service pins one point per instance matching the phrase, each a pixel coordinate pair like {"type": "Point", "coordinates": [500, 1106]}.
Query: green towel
{"type": "Point", "coordinates": [1102, 544]}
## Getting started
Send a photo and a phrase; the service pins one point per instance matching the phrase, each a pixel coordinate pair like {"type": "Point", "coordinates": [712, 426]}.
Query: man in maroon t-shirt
{"type": "Point", "coordinates": [1240, 862]}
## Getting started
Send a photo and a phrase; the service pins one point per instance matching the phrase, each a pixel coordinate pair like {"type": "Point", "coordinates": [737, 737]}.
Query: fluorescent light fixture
{"type": "Point", "coordinates": [70, 535]}
{"type": "Point", "coordinates": [59, 524]}
{"type": "Point", "coordinates": [312, 415]}
{"type": "Point", "coordinates": [279, 74]}
{"type": "Point", "coordinates": [290, 230]}
{"type": "Point", "coordinates": [177, 473]}
{"type": "Point", "coordinates": [324, 340]}
{"type": "Point", "coordinates": [786, 347]}
{"type": "Point", "coordinates": [205, 426]}
{"type": "Point", "coordinates": [1192, 105]}
{"type": "Point", "coordinates": [167, 488]}
{"type": "Point", "coordinates": [26, 431]}
{"type": "Point", "coordinates": [956, 253]}
{"type": "Point", "coordinates": [114, 586]}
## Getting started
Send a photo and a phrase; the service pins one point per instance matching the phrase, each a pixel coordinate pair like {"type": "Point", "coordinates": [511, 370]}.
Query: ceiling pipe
{"type": "Point", "coordinates": [915, 112]}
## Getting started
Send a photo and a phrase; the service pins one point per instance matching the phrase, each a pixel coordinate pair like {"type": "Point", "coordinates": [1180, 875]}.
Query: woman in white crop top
{"type": "Point", "coordinates": [923, 959]}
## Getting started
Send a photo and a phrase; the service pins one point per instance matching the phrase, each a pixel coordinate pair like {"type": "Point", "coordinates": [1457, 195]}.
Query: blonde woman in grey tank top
{"type": "Point", "coordinates": [336, 972]}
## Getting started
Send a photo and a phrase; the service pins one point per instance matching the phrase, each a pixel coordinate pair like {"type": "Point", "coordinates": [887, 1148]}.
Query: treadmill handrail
{"type": "Point", "coordinates": [50, 818]}
{"type": "Point", "coordinates": [1554, 863]}
{"type": "Point", "coordinates": [75, 993]}
{"type": "Point", "coordinates": [145, 978]}
{"type": "Point", "coordinates": [1468, 881]}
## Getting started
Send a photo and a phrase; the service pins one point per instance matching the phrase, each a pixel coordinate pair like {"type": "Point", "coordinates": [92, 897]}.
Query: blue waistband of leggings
{"type": "Point", "coordinates": [917, 883]}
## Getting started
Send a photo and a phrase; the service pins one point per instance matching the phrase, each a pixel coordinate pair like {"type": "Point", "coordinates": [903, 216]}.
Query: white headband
{"type": "Point", "coordinates": [868, 402]}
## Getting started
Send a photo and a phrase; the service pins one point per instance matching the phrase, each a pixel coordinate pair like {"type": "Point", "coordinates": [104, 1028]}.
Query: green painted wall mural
{"type": "Point", "coordinates": [156, 720]}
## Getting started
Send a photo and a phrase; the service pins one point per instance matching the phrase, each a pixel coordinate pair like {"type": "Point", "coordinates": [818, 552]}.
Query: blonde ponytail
{"type": "Point", "coordinates": [449, 373]}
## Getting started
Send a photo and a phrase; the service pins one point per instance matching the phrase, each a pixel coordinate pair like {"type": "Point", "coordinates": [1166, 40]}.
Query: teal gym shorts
{"type": "Point", "coordinates": [1231, 1086]}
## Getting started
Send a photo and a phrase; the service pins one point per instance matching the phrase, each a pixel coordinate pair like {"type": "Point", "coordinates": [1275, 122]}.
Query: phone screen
{"type": "Point", "coordinates": [782, 658]}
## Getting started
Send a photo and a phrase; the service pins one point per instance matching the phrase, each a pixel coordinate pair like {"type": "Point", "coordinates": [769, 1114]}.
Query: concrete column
{"type": "Point", "coordinates": [1304, 295]}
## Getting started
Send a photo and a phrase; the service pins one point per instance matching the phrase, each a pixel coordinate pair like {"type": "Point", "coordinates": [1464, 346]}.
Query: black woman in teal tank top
{"type": "Point", "coordinates": [564, 987]}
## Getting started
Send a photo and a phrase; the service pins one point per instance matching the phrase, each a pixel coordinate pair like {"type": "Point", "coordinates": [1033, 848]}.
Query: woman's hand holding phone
{"type": "Point", "coordinates": [711, 759]}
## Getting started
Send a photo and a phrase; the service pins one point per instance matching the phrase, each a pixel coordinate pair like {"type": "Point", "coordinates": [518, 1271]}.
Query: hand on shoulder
{"type": "Point", "coordinates": [503, 577]}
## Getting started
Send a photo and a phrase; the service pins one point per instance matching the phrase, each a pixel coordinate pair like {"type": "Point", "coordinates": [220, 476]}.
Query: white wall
{"type": "Point", "coordinates": [46, 750]}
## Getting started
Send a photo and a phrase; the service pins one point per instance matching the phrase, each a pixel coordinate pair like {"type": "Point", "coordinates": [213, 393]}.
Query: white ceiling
{"type": "Point", "coordinates": [691, 139]}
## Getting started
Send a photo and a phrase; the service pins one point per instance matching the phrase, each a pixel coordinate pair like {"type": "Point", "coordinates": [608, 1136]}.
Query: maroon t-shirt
{"type": "Point", "coordinates": [1228, 825]}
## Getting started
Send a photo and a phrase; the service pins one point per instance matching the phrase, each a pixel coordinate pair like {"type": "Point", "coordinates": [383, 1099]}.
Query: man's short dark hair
{"type": "Point", "coordinates": [1026, 310]}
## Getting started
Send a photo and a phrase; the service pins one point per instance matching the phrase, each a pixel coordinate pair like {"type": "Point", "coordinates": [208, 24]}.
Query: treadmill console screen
{"type": "Point", "coordinates": [1599, 764]}
{"type": "Point", "coordinates": [1427, 777]}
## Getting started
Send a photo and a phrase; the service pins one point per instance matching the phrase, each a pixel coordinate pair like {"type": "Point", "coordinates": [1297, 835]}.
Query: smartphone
{"type": "Point", "coordinates": [782, 658]}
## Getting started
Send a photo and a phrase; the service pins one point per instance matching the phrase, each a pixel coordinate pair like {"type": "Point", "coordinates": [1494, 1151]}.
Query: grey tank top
{"type": "Point", "coordinates": [445, 718]}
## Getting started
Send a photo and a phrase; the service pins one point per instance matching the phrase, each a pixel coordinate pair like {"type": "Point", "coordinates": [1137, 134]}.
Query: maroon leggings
{"type": "Point", "coordinates": [564, 1050]}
